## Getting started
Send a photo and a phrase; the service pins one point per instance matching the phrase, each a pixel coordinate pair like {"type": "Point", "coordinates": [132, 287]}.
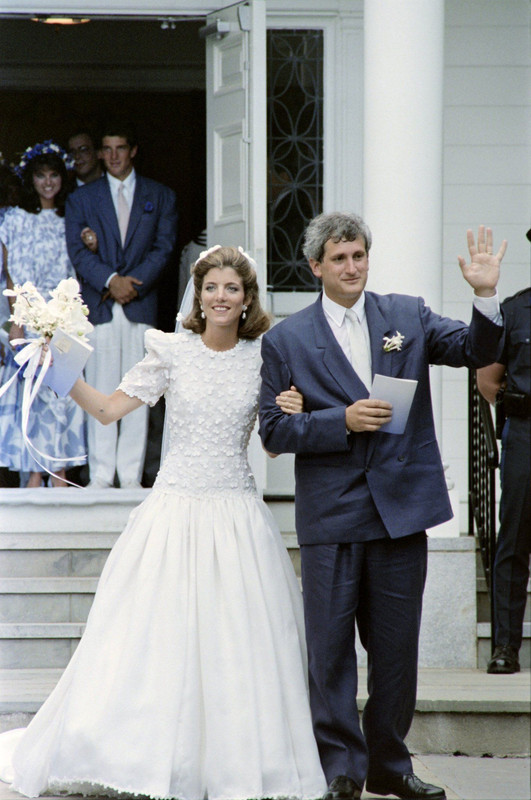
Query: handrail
{"type": "Point", "coordinates": [483, 460]}
{"type": "Point", "coordinates": [493, 460]}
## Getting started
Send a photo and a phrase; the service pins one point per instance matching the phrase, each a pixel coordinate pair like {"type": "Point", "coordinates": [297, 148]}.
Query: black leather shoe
{"type": "Point", "coordinates": [342, 788]}
{"type": "Point", "coordinates": [504, 660]}
{"type": "Point", "coordinates": [407, 787]}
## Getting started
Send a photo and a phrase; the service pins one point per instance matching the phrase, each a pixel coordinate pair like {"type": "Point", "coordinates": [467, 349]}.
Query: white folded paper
{"type": "Point", "coordinates": [399, 392]}
{"type": "Point", "coordinates": [70, 355]}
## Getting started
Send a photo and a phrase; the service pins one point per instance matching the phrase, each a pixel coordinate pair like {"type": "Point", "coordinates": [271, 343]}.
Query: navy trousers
{"type": "Point", "coordinates": [379, 584]}
{"type": "Point", "coordinates": [511, 563]}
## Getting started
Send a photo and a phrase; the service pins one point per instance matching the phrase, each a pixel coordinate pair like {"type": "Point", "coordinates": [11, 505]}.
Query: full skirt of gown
{"type": "Point", "coordinates": [190, 679]}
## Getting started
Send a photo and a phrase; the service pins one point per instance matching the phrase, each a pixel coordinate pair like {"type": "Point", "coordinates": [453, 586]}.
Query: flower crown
{"type": "Point", "coordinates": [41, 149]}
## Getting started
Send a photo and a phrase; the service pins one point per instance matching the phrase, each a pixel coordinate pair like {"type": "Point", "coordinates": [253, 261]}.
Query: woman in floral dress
{"type": "Point", "coordinates": [34, 249]}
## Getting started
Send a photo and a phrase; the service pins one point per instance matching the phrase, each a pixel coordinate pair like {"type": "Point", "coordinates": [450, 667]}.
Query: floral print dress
{"type": "Point", "coordinates": [36, 248]}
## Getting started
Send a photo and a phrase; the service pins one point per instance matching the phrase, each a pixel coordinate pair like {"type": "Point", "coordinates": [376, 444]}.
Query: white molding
{"type": "Point", "coordinates": [174, 8]}
{"type": "Point", "coordinates": [127, 8]}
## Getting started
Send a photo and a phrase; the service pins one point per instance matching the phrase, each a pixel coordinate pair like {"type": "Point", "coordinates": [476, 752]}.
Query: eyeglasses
{"type": "Point", "coordinates": [80, 151]}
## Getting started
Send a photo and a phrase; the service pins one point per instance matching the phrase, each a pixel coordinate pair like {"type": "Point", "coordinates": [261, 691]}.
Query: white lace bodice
{"type": "Point", "coordinates": [211, 406]}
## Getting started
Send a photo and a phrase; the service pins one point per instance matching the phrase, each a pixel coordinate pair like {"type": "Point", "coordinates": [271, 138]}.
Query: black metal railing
{"type": "Point", "coordinates": [483, 460]}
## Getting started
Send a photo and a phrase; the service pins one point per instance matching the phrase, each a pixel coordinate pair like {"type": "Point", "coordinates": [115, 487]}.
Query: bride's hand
{"type": "Point", "coordinates": [291, 401]}
{"type": "Point", "coordinates": [90, 239]}
{"type": "Point", "coordinates": [44, 350]}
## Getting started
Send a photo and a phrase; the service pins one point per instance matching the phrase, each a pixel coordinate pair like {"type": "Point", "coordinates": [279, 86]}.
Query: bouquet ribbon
{"type": "Point", "coordinates": [29, 360]}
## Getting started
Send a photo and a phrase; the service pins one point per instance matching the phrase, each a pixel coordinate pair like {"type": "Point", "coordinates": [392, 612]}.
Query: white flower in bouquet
{"type": "Point", "coordinates": [65, 310]}
{"type": "Point", "coordinates": [66, 290]}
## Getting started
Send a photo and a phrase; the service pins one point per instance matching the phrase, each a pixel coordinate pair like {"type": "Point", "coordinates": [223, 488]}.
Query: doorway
{"type": "Point", "coordinates": [56, 78]}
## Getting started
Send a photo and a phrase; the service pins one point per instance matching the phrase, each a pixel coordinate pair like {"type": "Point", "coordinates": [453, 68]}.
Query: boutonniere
{"type": "Point", "coordinates": [148, 208]}
{"type": "Point", "coordinates": [393, 342]}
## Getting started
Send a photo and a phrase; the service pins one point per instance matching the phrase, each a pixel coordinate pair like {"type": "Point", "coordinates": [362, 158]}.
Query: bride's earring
{"type": "Point", "coordinates": [202, 312]}
{"type": "Point", "coordinates": [244, 315]}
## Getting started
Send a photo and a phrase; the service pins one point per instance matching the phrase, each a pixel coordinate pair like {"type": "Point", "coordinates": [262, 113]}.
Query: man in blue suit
{"type": "Point", "coordinates": [364, 498]}
{"type": "Point", "coordinates": [120, 233]}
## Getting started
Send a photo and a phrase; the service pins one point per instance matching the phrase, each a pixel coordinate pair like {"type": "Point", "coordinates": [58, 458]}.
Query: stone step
{"type": "Point", "coordinates": [484, 601]}
{"type": "Point", "coordinates": [47, 533]}
{"type": "Point", "coordinates": [82, 510]}
{"type": "Point", "coordinates": [38, 644]}
{"type": "Point", "coordinates": [49, 599]}
{"type": "Point", "coordinates": [484, 645]}
{"type": "Point", "coordinates": [457, 710]}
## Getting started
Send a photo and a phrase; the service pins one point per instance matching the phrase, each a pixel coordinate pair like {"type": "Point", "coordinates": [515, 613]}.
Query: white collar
{"type": "Point", "coordinates": [336, 312]}
{"type": "Point", "coordinates": [128, 183]}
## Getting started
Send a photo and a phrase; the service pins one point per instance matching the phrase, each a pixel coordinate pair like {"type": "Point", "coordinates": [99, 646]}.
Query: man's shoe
{"type": "Point", "coordinates": [407, 787]}
{"type": "Point", "coordinates": [342, 788]}
{"type": "Point", "coordinates": [504, 660]}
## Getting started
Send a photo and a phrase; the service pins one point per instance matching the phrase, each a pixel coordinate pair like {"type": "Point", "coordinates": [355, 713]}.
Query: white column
{"type": "Point", "coordinates": [403, 143]}
{"type": "Point", "coordinates": [403, 126]}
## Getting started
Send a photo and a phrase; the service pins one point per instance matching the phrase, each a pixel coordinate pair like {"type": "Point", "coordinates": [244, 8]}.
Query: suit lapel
{"type": "Point", "coordinates": [107, 210]}
{"type": "Point", "coordinates": [334, 359]}
{"type": "Point", "coordinates": [137, 207]}
{"type": "Point", "coordinates": [382, 362]}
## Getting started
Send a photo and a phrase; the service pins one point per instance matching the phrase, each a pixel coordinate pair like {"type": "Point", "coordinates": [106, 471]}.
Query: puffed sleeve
{"type": "Point", "coordinates": [149, 379]}
{"type": "Point", "coordinates": [8, 227]}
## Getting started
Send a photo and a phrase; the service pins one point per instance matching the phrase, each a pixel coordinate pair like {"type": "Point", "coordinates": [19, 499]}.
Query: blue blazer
{"type": "Point", "coordinates": [150, 241]}
{"type": "Point", "coordinates": [341, 476]}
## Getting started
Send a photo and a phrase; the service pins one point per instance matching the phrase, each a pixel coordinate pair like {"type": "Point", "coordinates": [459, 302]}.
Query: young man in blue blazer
{"type": "Point", "coordinates": [364, 498]}
{"type": "Point", "coordinates": [120, 232]}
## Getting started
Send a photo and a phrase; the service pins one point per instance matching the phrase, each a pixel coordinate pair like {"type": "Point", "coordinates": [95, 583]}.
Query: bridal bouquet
{"type": "Point", "coordinates": [62, 321]}
{"type": "Point", "coordinates": [65, 310]}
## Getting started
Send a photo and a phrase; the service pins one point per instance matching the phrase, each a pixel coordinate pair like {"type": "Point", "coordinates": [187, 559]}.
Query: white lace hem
{"type": "Point", "coordinates": [98, 789]}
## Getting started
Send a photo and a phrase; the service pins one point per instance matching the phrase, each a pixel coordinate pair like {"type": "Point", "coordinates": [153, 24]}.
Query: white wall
{"type": "Point", "coordinates": [487, 171]}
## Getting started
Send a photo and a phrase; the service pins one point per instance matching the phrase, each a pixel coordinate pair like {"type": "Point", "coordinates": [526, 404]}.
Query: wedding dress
{"type": "Point", "coordinates": [190, 679]}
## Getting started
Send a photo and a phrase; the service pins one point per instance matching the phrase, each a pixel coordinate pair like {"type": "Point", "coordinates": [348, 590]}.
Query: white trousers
{"type": "Point", "coordinates": [120, 447]}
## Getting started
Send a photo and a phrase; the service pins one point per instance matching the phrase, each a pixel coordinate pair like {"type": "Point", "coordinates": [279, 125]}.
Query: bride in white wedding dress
{"type": "Point", "coordinates": [190, 679]}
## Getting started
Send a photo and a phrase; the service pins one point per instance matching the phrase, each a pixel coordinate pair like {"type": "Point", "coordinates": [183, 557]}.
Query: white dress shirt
{"type": "Point", "coordinates": [335, 316]}
{"type": "Point", "coordinates": [129, 188]}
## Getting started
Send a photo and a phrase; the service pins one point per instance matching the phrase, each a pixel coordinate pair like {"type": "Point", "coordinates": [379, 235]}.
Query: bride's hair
{"type": "Point", "coordinates": [256, 321]}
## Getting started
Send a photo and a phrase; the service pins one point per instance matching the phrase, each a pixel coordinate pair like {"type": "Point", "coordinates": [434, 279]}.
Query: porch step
{"type": "Point", "coordinates": [484, 599]}
{"type": "Point", "coordinates": [484, 645]}
{"type": "Point", "coordinates": [48, 599]}
{"type": "Point", "coordinates": [457, 710]}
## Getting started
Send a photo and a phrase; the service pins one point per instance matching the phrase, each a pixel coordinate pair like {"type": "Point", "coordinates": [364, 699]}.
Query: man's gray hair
{"type": "Point", "coordinates": [335, 226]}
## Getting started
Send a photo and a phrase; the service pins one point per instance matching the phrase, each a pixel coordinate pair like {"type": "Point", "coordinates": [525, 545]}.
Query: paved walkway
{"type": "Point", "coordinates": [463, 778]}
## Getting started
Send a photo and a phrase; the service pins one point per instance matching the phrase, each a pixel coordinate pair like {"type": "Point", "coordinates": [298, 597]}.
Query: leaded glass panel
{"type": "Point", "coordinates": [295, 152]}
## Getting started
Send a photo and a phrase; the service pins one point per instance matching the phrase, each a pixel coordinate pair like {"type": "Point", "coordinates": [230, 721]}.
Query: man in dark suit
{"type": "Point", "coordinates": [364, 498]}
{"type": "Point", "coordinates": [120, 233]}
{"type": "Point", "coordinates": [87, 164]}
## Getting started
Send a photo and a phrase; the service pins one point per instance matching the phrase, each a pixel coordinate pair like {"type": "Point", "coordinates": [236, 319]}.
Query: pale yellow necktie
{"type": "Point", "coordinates": [123, 213]}
{"type": "Point", "coordinates": [359, 350]}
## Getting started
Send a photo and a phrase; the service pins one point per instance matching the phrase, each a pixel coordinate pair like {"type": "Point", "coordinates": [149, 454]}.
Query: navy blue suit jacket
{"type": "Point", "coordinates": [340, 475]}
{"type": "Point", "coordinates": [150, 241]}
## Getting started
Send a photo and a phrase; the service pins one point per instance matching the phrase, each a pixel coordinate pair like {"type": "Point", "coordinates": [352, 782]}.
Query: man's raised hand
{"type": "Point", "coordinates": [483, 271]}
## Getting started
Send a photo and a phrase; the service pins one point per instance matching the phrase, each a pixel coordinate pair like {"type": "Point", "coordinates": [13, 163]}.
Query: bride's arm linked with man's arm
{"type": "Point", "coordinates": [110, 408]}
